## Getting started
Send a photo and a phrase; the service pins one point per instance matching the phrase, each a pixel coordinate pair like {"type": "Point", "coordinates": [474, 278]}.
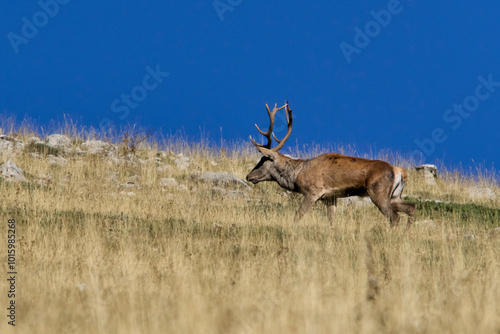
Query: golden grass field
{"type": "Point", "coordinates": [91, 259]}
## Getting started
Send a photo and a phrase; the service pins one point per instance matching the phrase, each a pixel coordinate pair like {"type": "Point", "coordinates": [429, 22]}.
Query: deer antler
{"type": "Point", "coordinates": [269, 133]}
{"type": "Point", "coordinates": [289, 121]}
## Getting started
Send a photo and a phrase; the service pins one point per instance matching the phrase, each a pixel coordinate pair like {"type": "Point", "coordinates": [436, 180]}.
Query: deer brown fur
{"type": "Point", "coordinates": [331, 176]}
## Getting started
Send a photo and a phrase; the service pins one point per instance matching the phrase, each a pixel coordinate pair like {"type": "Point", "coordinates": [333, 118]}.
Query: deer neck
{"type": "Point", "coordinates": [286, 172]}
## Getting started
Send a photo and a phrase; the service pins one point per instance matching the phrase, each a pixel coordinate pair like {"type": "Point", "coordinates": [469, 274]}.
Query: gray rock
{"type": "Point", "coordinates": [426, 223]}
{"type": "Point", "coordinates": [429, 172]}
{"type": "Point", "coordinates": [55, 160]}
{"type": "Point", "coordinates": [431, 200]}
{"type": "Point", "coordinates": [10, 172]}
{"type": "Point", "coordinates": [168, 182]}
{"type": "Point", "coordinates": [113, 159]}
{"type": "Point", "coordinates": [356, 201]}
{"type": "Point", "coordinates": [181, 162]}
{"type": "Point", "coordinates": [79, 152]}
{"type": "Point", "coordinates": [164, 168]}
{"type": "Point", "coordinates": [220, 179]}
{"type": "Point", "coordinates": [130, 193]}
{"type": "Point", "coordinates": [96, 146]}
{"type": "Point", "coordinates": [59, 141]}
{"type": "Point", "coordinates": [10, 145]}
{"type": "Point", "coordinates": [482, 193]}
{"type": "Point", "coordinates": [34, 140]}
{"type": "Point", "coordinates": [7, 138]}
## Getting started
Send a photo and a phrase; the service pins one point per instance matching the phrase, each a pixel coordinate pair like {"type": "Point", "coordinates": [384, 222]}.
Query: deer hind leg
{"type": "Point", "coordinates": [305, 206]}
{"type": "Point", "coordinates": [380, 194]}
{"type": "Point", "coordinates": [408, 208]}
{"type": "Point", "coordinates": [397, 203]}
{"type": "Point", "coordinates": [385, 206]}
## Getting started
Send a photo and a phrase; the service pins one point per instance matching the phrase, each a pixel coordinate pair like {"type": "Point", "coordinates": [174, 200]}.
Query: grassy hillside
{"type": "Point", "coordinates": [106, 245]}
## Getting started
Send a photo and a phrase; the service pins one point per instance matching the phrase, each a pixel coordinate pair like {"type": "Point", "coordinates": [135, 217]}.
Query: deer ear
{"type": "Point", "coordinates": [268, 153]}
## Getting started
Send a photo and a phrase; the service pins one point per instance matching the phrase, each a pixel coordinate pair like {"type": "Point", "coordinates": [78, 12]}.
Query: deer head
{"type": "Point", "coordinates": [272, 163]}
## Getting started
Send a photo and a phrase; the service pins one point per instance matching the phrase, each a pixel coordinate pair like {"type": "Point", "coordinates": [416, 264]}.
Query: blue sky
{"type": "Point", "coordinates": [422, 78]}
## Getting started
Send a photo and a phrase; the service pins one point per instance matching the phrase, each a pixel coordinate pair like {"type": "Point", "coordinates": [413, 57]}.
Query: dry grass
{"type": "Point", "coordinates": [92, 260]}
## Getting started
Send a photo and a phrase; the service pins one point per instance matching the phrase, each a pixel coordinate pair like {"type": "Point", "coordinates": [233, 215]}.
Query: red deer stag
{"type": "Point", "coordinates": [331, 176]}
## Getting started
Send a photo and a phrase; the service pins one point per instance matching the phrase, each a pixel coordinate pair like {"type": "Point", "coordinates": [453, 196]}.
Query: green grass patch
{"type": "Point", "coordinates": [461, 213]}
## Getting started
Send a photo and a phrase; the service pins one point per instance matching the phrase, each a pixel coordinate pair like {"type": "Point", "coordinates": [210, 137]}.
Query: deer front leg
{"type": "Point", "coordinates": [331, 207]}
{"type": "Point", "coordinates": [306, 205]}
